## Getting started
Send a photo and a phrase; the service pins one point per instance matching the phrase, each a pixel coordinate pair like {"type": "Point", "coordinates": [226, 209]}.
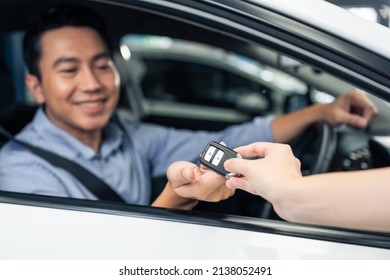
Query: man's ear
{"type": "Point", "coordinates": [34, 86]}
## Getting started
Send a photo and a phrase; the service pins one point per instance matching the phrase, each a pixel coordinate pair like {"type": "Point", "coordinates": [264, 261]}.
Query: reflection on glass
{"type": "Point", "coordinates": [180, 49]}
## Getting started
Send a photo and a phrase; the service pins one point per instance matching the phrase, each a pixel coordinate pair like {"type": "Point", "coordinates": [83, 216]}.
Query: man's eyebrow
{"type": "Point", "coordinates": [72, 59]}
{"type": "Point", "coordinates": [65, 59]}
{"type": "Point", "coordinates": [100, 56]}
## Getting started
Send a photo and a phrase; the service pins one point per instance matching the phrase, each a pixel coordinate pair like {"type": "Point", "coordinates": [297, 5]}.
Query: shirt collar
{"type": "Point", "coordinates": [65, 144]}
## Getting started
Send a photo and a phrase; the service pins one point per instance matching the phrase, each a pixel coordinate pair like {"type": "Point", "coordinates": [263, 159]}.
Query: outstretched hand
{"type": "Point", "coordinates": [189, 181]}
{"type": "Point", "coordinates": [268, 176]}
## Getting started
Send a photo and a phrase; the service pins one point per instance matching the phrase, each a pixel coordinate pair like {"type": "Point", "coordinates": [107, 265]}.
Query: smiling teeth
{"type": "Point", "coordinates": [91, 104]}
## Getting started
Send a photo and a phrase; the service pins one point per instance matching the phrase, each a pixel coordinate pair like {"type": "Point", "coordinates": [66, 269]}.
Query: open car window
{"type": "Point", "coordinates": [174, 70]}
{"type": "Point", "coordinates": [206, 65]}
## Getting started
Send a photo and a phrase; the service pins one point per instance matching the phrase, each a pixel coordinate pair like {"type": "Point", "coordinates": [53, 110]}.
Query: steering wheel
{"type": "Point", "coordinates": [315, 148]}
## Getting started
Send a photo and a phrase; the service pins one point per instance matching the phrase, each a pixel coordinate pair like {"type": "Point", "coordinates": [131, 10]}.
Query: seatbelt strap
{"type": "Point", "coordinates": [94, 184]}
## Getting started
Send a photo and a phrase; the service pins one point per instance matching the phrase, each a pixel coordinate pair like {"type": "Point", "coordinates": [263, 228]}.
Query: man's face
{"type": "Point", "coordinates": [79, 82]}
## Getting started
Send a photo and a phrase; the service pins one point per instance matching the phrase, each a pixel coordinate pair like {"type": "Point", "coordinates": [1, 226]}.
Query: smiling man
{"type": "Point", "coordinates": [78, 84]}
{"type": "Point", "coordinates": [73, 78]}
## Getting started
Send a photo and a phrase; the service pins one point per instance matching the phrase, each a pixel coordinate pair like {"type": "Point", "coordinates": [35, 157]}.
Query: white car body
{"type": "Point", "coordinates": [335, 20]}
{"type": "Point", "coordinates": [35, 227]}
{"type": "Point", "coordinates": [37, 232]}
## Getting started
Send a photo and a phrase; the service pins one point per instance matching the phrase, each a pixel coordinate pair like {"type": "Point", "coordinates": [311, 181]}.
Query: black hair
{"type": "Point", "coordinates": [54, 18]}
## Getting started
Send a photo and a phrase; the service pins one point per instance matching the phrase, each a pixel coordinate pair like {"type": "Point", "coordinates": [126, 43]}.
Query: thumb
{"type": "Point", "coordinates": [181, 173]}
{"type": "Point", "coordinates": [237, 165]}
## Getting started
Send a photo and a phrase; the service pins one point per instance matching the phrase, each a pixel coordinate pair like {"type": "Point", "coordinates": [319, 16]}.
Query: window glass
{"type": "Point", "coordinates": [184, 71]}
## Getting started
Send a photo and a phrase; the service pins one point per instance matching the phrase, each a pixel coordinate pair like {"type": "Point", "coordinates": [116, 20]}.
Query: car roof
{"type": "Point", "coordinates": [316, 13]}
{"type": "Point", "coordinates": [334, 20]}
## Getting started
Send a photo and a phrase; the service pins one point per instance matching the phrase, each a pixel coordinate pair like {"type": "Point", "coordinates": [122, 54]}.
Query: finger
{"type": "Point", "coordinates": [181, 173]}
{"type": "Point", "coordinates": [238, 165]}
{"type": "Point", "coordinates": [368, 108]}
{"type": "Point", "coordinates": [370, 112]}
{"type": "Point", "coordinates": [353, 119]}
{"type": "Point", "coordinates": [203, 167]}
{"type": "Point", "coordinates": [240, 183]}
{"type": "Point", "coordinates": [257, 149]}
{"type": "Point", "coordinates": [185, 176]}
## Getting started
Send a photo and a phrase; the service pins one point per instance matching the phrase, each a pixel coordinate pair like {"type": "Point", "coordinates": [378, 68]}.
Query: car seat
{"type": "Point", "coordinates": [14, 113]}
{"type": "Point", "coordinates": [130, 105]}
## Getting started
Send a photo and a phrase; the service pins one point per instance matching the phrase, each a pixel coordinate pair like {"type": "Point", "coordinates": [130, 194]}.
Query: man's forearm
{"type": "Point", "coordinates": [285, 128]}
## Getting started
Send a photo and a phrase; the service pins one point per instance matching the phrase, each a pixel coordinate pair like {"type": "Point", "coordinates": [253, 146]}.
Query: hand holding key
{"type": "Point", "coordinates": [189, 181]}
{"type": "Point", "coordinates": [214, 157]}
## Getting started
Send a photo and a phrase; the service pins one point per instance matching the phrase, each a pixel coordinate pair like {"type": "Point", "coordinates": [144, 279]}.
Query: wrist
{"type": "Point", "coordinates": [318, 112]}
{"type": "Point", "coordinates": [289, 201]}
{"type": "Point", "coordinates": [170, 199]}
{"type": "Point", "coordinates": [324, 112]}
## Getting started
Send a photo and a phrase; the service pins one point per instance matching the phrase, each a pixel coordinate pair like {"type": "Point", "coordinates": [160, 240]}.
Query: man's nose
{"type": "Point", "coordinates": [89, 81]}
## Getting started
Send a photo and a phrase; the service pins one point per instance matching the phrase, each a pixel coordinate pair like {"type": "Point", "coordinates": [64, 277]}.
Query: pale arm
{"type": "Point", "coordinates": [358, 199]}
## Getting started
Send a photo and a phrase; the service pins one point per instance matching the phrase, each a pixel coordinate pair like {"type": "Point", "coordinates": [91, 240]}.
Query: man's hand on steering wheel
{"type": "Point", "coordinates": [353, 108]}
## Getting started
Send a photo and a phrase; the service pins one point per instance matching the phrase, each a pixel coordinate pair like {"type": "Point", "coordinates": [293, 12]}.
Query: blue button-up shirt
{"type": "Point", "coordinates": [130, 155]}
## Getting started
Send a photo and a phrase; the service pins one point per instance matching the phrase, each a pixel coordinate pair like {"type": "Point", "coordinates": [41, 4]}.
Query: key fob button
{"type": "Point", "coordinates": [218, 157]}
{"type": "Point", "coordinates": [209, 153]}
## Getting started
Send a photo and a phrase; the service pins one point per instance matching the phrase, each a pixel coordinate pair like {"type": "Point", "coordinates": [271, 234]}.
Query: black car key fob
{"type": "Point", "coordinates": [214, 156]}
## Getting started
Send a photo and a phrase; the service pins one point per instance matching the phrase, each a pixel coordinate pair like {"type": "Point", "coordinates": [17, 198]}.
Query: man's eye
{"type": "Point", "coordinates": [103, 67]}
{"type": "Point", "coordinates": [68, 70]}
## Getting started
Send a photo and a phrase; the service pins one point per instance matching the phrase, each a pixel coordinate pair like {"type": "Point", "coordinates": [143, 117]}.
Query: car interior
{"type": "Point", "coordinates": [155, 85]}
